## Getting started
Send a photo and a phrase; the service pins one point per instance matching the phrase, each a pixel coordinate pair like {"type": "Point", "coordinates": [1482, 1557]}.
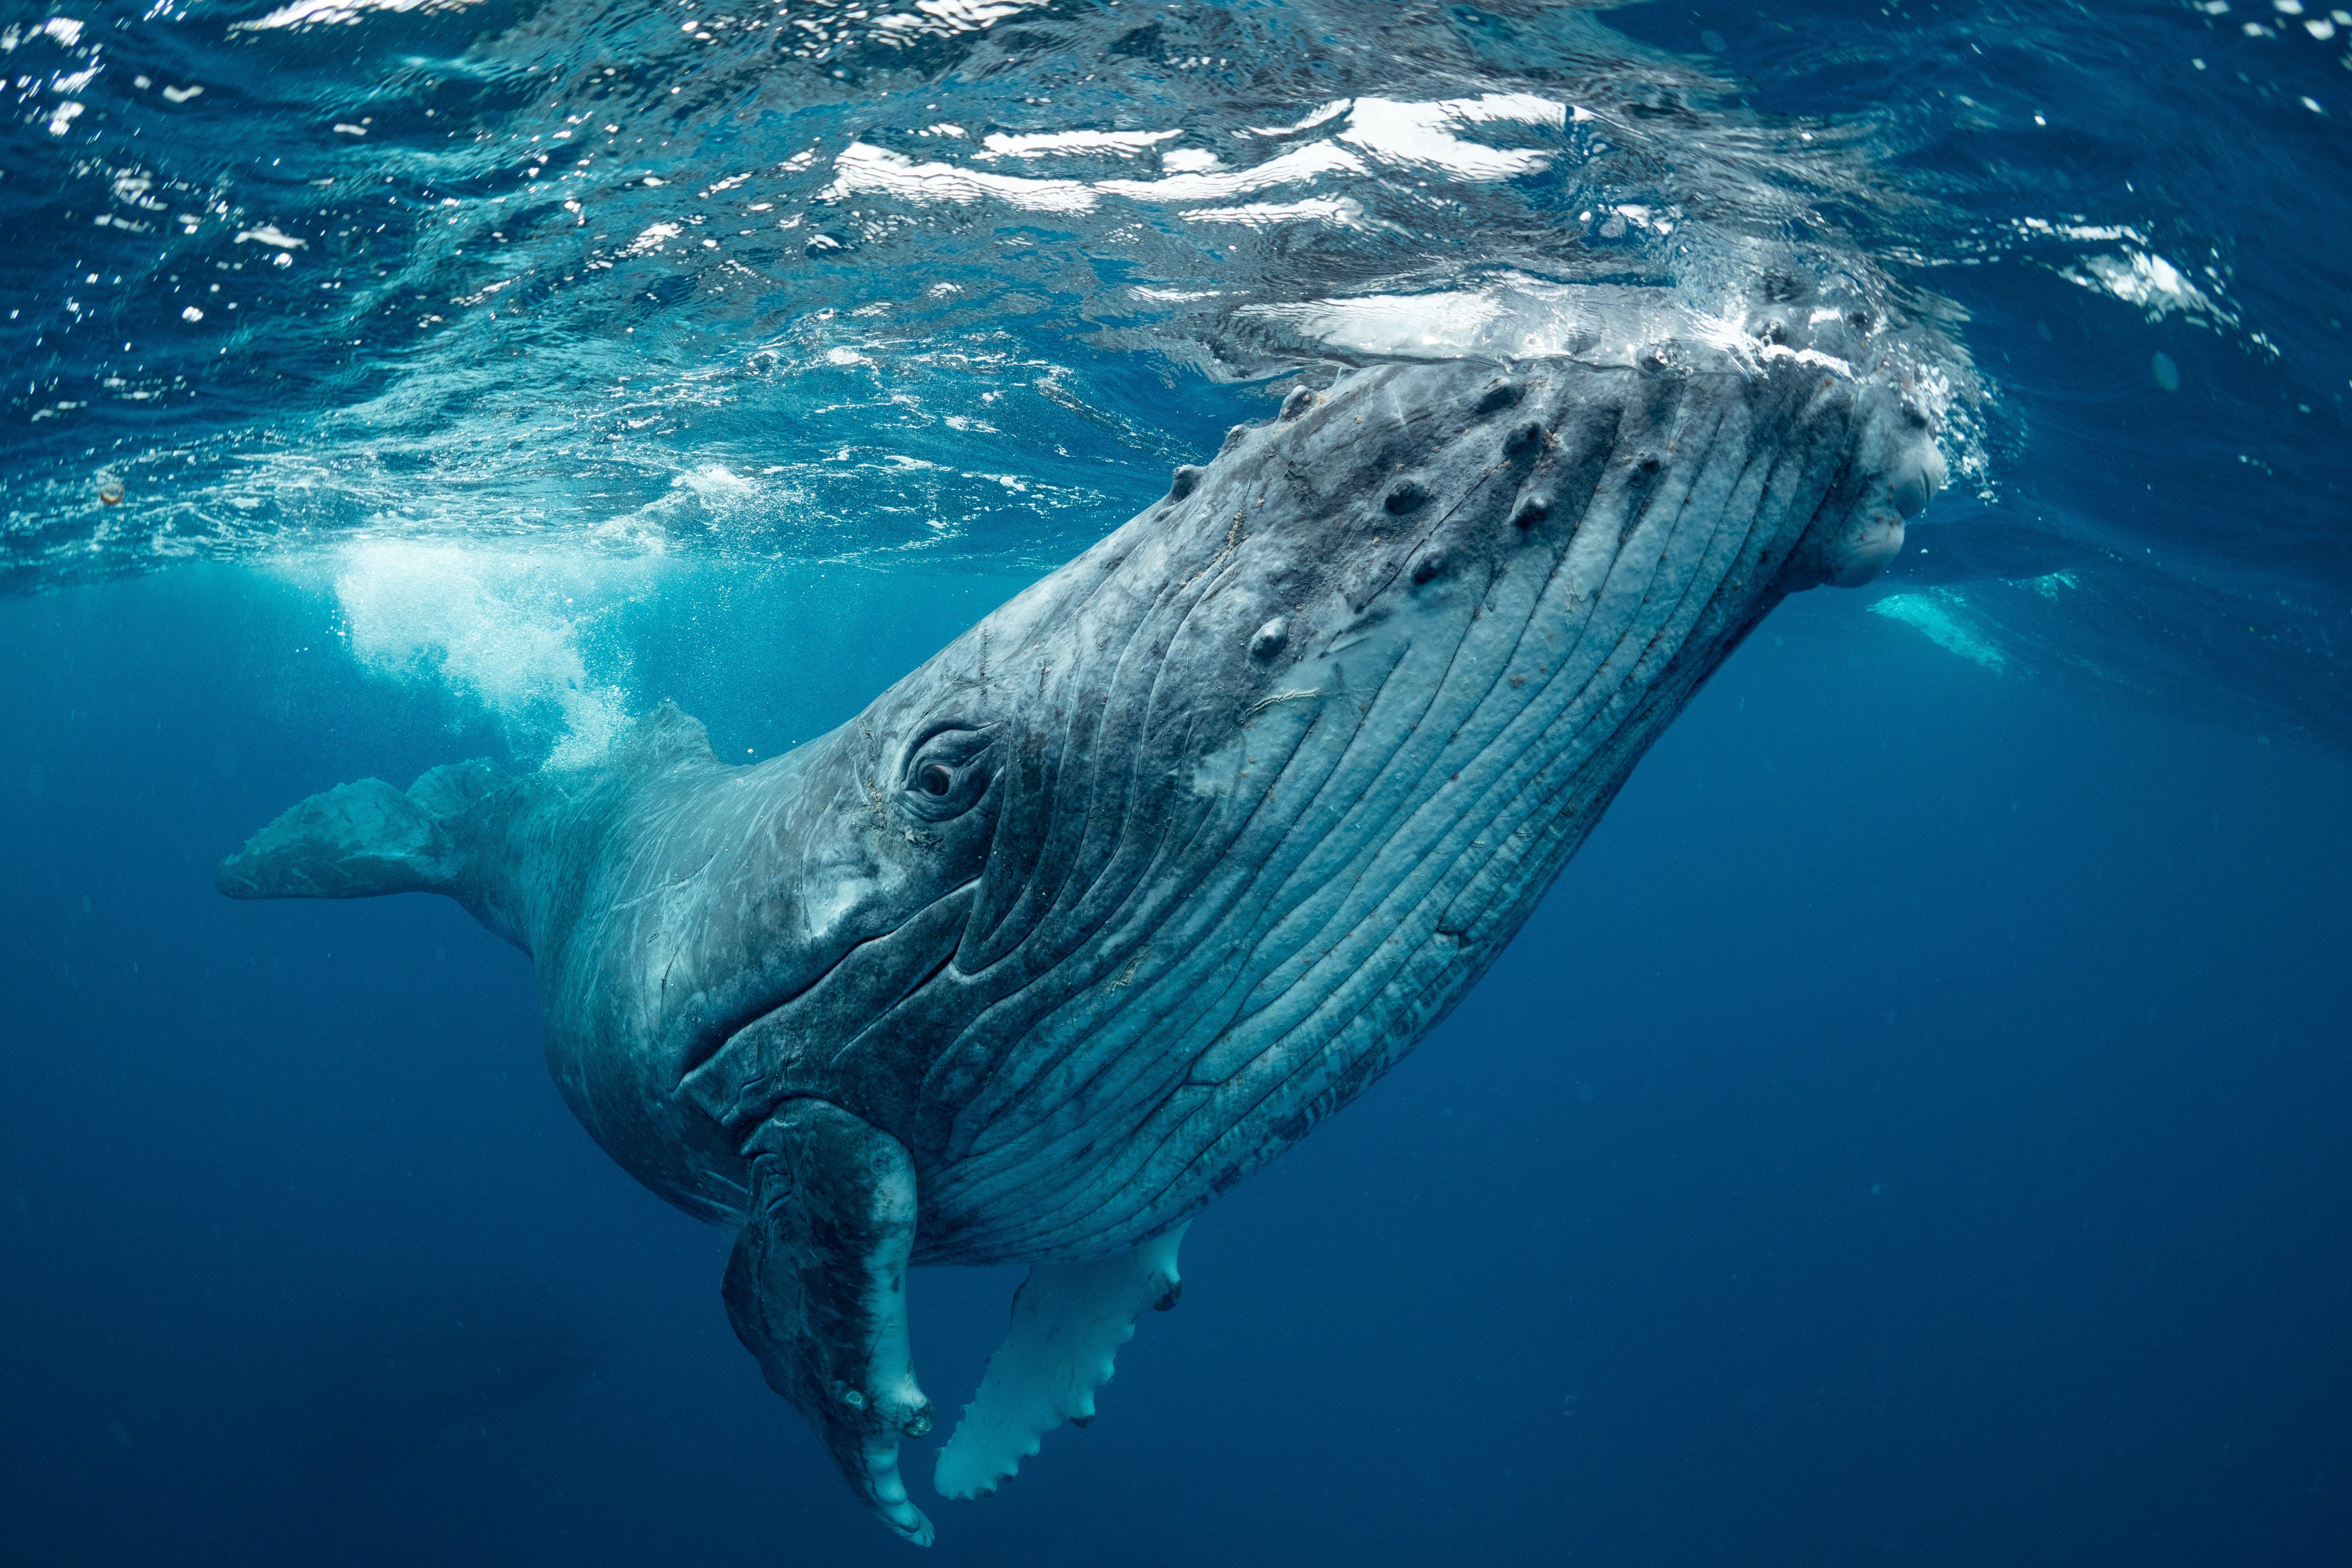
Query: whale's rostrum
{"type": "Point", "coordinates": [1123, 891]}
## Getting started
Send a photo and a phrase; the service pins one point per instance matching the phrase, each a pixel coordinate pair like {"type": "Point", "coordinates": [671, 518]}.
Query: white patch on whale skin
{"type": "Point", "coordinates": [835, 901]}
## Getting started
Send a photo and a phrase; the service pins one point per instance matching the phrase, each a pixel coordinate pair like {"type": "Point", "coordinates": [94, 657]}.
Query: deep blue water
{"type": "Point", "coordinates": [1917, 1129]}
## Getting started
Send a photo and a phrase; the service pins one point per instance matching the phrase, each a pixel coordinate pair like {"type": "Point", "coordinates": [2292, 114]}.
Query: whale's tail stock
{"type": "Point", "coordinates": [360, 840]}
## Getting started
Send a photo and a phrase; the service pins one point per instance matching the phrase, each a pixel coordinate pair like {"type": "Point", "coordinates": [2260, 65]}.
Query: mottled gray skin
{"type": "Point", "coordinates": [1117, 897]}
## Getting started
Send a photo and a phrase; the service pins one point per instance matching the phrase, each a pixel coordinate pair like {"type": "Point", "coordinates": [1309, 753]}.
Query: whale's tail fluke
{"type": "Point", "coordinates": [359, 840]}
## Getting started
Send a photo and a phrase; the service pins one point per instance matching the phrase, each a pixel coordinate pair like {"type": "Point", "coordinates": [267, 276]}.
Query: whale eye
{"type": "Point", "coordinates": [947, 774]}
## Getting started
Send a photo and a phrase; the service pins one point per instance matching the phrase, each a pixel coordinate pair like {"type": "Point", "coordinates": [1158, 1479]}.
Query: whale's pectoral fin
{"type": "Point", "coordinates": [818, 1290]}
{"type": "Point", "coordinates": [1068, 1321]}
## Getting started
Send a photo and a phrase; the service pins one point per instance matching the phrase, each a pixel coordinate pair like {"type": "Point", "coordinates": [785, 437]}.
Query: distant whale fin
{"type": "Point", "coordinates": [358, 840]}
{"type": "Point", "coordinates": [816, 1289]}
{"type": "Point", "coordinates": [1068, 1321]}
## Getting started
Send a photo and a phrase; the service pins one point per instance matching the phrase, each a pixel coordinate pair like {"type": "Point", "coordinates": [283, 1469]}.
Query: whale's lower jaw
{"type": "Point", "coordinates": [1397, 803]}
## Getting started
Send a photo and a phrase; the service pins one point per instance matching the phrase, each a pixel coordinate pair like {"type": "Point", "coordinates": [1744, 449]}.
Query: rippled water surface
{"type": "Point", "coordinates": [344, 283]}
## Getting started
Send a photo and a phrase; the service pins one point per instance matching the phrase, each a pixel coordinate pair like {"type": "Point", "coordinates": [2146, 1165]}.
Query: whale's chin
{"type": "Point", "coordinates": [1873, 538]}
{"type": "Point", "coordinates": [1863, 553]}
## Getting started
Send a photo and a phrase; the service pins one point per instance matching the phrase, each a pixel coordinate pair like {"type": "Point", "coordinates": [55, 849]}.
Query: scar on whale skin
{"type": "Point", "coordinates": [1029, 970]}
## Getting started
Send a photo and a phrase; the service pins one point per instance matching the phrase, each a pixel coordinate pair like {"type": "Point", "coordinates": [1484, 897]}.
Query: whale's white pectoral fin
{"type": "Point", "coordinates": [1068, 1321]}
{"type": "Point", "coordinates": [816, 1289]}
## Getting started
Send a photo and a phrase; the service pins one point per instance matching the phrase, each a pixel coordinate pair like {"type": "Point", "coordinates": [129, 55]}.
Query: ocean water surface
{"type": "Point", "coordinates": [1917, 1129]}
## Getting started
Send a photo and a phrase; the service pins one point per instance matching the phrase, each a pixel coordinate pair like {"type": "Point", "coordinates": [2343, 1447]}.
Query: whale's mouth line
{"type": "Point", "coordinates": [709, 1043]}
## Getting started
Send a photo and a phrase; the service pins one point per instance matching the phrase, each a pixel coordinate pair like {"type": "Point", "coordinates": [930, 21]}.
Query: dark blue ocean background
{"type": "Point", "coordinates": [1917, 1129]}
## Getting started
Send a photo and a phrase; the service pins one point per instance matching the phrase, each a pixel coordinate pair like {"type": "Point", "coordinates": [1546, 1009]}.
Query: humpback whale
{"type": "Point", "coordinates": [1162, 862]}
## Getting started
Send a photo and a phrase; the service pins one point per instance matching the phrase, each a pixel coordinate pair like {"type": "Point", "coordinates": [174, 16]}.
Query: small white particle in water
{"type": "Point", "coordinates": [191, 314]}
